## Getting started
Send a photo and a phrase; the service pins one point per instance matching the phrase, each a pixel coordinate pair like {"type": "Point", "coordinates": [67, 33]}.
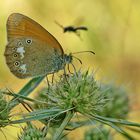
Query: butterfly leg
{"type": "Point", "coordinates": [52, 78]}
{"type": "Point", "coordinates": [73, 67]}
{"type": "Point", "coordinates": [65, 75]}
{"type": "Point", "coordinates": [69, 69]}
{"type": "Point", "coordinates": [48, 82]}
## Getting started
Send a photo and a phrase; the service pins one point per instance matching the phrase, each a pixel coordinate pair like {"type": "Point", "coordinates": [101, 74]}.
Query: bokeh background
{"type": "Point", "coordinates": [113, 34]}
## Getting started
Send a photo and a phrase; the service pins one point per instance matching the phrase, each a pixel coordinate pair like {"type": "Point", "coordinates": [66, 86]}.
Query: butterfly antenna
{"type": "Point", "coordinates": [59, 24]}
{"type": "Point", "coordinates": [84, 52]}
{"type": "Point", "coordinates": [77, 59]}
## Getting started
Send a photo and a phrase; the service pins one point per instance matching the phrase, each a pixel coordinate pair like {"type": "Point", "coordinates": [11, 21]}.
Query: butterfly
{"type": "Point", "coordinates": [31, 50]}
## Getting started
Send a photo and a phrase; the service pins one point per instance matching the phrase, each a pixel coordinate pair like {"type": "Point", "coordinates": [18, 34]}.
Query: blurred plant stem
{"type": "Point", "coordinates": [60, 130]}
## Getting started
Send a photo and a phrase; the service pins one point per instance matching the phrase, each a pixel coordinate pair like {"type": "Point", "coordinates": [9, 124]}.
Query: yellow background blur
{"type": "Point", "coordinates": [114, 35]}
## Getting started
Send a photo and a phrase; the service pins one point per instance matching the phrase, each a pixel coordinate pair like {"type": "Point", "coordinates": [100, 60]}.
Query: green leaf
{"type": "Point", "coordinates": [117, 128]}
{"type": "Point", "coordinates": [27, 89]}
{"type": "Point", "coordinates": [59, 131]}
{"type": "Point", "coordinates": [30, 86]}
{"type": "Point", "coordinates": [118, 121]}
{"type": "Point", "coordinates": [40, 115]}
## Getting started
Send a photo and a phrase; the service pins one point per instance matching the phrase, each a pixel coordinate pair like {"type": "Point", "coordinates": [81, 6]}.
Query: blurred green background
{"type": "Point", "coordinates": [114, 32]}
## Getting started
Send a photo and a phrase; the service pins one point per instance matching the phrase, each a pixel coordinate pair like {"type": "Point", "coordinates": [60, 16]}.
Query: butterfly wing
{"type": "Point", "coordinates": [31, 50]}
{"type": "Point", "coordinates": [19, 25]}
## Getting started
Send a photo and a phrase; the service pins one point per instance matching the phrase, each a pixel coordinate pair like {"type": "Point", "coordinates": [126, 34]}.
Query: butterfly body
{"type": "Point", "coordinates": [31, 50]}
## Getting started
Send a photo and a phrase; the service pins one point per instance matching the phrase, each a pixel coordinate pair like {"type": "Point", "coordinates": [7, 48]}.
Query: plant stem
{"type": "Point", "coordinates": [63, 125]}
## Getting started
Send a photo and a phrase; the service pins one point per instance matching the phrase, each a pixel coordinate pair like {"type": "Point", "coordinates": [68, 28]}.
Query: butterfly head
{"type": "Point", "coordinates": [68, 58]}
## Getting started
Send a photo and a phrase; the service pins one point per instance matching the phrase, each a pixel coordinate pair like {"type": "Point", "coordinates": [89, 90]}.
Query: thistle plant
{"type": "Point", "coordinates": [118, 106]}
{"type": "Point", "coordinates": [31, 132]}
{"type": "Point", "coordinates": [5, 109]}
{"type": "Point", "coordinates": [73, 101]}
{"type": "Point", "coordinates": [79, 92]}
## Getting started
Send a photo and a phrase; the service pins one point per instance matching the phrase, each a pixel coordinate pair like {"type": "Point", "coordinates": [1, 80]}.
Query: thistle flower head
{"type": "Point", "coordinates": [31, 132]}
{"type": "Point", "coordinates": [118, 106]}
{"type": "Point", "coordinates": [79, 91]}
